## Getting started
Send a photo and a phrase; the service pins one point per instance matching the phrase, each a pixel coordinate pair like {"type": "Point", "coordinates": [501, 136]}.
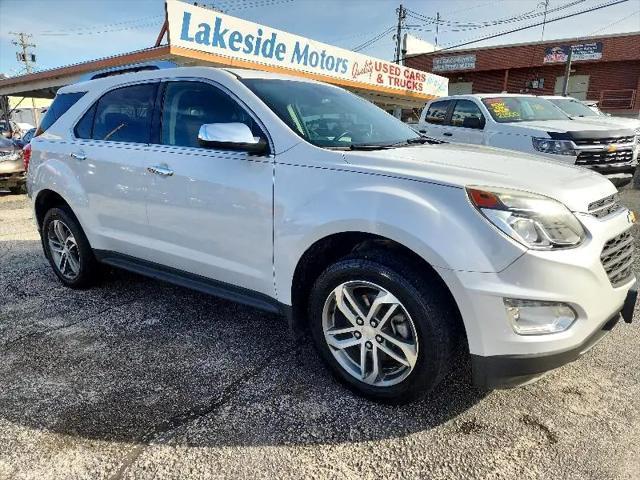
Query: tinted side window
{"type": "Point", "coordinates": [437, 112]}
{"type": "Point", "coordinates": [124, 114]}
{"type": "Point", "coordinates": [84, 128]}
{"type": "Point", "coordinates": [466, 114]}
{"type": "Point", "coordinates": [189, 105]}
{"type": "Point", "coordinates": [59, 107]}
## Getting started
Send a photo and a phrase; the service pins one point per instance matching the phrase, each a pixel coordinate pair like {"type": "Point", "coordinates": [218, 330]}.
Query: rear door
{"type": "Point", "coordinates": [435, 119]}
{"type": "Point", "coordinates": [109, 157]}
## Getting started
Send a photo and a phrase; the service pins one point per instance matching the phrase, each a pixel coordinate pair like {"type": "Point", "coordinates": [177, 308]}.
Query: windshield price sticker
{"type": "Point", "coordinates": [502, 111]}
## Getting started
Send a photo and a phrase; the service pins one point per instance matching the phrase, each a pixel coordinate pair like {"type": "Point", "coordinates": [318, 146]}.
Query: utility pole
{"type": "Point", "coordinates": [402, 14]}
{"type": "Point", "coordinates": [28, 58]}
{"type": "Point", "coordinates": [437, 30]}
{"type": "Point", "coordinates": [544, 4]}
{"type": "Point", "coordinates": [567, 73]}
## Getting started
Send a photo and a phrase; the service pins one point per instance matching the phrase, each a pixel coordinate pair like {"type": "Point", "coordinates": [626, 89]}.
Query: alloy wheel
{"type": "Point", "coordinates": [64, 249]}
{"type": "Point", "coordinates": [370, 333]}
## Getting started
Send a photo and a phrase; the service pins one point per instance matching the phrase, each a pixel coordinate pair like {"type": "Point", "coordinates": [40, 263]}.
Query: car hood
{"type": "Point", "coordinates": [627, 123]}
{"type": "Point", "coordinates": [464, 165]}
{"type": "Point", "coordinates": [567, 125]}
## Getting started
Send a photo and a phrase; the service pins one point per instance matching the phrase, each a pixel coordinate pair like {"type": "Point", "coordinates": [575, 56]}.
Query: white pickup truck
{"type": "Point", "coordinates": [535, 125]}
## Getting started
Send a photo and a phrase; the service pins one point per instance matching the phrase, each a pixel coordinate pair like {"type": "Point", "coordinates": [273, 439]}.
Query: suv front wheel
{"type": "Point", "coordinates": [384, 329]}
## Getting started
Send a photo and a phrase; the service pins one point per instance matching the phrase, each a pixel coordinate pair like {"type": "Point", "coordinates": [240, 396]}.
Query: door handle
{"type": "Point", "coordinates": [78, 156]}
{"type": "Point", "coordinates": [160, 170]}
{"type": "Point", "coordinates": [447, 134]}
{"type": "Point", "coordinates": [422, 131]}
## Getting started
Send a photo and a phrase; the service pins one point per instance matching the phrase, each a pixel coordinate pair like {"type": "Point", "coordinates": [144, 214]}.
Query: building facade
{"type": "Point", "coordinates": [605, 69]}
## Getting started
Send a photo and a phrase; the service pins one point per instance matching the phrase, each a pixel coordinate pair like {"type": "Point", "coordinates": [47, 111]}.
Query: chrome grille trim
{"type": "Point", "coordinates": [605, 206]}
{"type": "Point", "coordinates": [617, 258]}
{"type": "Point", "coordinates": [604, 141]}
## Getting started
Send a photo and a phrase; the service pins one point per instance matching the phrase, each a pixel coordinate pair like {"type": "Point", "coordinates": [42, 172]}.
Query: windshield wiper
{"type": "Point", "coordinates": [371, 146]}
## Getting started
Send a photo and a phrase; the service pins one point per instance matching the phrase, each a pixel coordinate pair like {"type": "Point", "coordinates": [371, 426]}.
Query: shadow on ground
{"type": "Point", "coordinates": [135, 360]}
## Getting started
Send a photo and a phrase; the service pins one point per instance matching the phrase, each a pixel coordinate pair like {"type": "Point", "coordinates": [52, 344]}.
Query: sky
{"type": "Point", "coordinates": [71, 31]}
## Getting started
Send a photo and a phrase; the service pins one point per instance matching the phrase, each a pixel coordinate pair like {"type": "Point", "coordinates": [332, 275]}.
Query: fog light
{"type": "Point", "coordinates": [533, 317]}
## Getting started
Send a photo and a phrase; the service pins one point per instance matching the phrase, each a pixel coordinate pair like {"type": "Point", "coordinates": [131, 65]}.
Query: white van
{"type": "Point", "coordinates": [532, 124]}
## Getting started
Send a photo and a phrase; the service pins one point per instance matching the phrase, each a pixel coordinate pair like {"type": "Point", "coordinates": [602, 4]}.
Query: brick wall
{"type": "Point", "coordinates": [618, 69]}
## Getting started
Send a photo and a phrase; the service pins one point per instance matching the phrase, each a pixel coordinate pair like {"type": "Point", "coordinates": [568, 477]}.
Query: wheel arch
{"type": "Point", "coordinates": [329, 249]}
{"type": "Point", "coordinates": [45, 200]}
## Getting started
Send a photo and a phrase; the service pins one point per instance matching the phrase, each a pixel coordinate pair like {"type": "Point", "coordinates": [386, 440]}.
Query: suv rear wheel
{"type": "Point", "coordinates": [383, 329]}
{"type": "Point", "coordinates": [67, 248]}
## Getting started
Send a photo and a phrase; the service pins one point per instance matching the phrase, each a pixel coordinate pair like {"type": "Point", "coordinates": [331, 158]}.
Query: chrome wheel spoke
{"type": "Point", "coordinates": [73, 263]}
{"type": "Point", "coordinates": [372, 377]}
{"type": "Point", "coordinates": [363, 361]}
{"type": "Point", "coordinates": [62, 262]}
{"type": "Point", "coordinates": [343, 297]}
{"type": "Point", "coordinates": [342, 344]}
{"type": "Point", "coordinates": [387, 315]}
{"type": "Point", "coordinates": [339, 331]}
{"type": "Point", "coordinates": [383, 298]}
{"type": "Point", "coordinates": [58, 230]}
{"type": "Point", "coordinates": [408, 350]}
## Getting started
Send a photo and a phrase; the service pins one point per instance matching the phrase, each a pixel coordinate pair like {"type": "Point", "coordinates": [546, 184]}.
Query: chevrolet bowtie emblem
{"type": "Point", "coordinates": [612, 148]}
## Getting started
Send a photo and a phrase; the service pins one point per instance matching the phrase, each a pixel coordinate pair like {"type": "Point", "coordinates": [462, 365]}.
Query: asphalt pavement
{"type": "Point", "coordinates": [137, 379]}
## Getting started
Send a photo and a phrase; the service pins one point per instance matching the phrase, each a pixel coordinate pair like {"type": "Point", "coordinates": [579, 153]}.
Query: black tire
{"type": "Point", "coordinates": [89, 268]}
{"type": "Point", "coordinates": [429, 305]}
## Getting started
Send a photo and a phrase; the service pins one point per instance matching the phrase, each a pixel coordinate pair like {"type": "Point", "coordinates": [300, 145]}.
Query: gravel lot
{"type": "Point", "coordinates": [139, 379]}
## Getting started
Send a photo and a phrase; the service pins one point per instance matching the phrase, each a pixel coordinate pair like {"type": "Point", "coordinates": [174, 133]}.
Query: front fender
{"type": "Point", "coordinates": [434, 221]}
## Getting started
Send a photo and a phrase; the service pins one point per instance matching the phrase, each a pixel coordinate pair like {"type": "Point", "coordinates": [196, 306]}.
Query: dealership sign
{"type": "Point", "coordinates": [583, 51]}
{"type": "Point", "coordinates": [457, 62]}
{"type": "Point", "coordinates": [213, 32]}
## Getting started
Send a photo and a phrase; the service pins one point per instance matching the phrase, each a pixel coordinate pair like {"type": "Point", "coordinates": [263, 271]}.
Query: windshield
{"type": "Point", "coordinates": [573, 108]}
{"type": "Point", "coordinates": [522, 109]}
{"type": "Point", "coordinates": [330, 117]}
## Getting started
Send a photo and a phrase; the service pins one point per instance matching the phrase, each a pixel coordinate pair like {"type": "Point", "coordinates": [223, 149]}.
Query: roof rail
{"type": "Point", "coordinates": [132, 67]}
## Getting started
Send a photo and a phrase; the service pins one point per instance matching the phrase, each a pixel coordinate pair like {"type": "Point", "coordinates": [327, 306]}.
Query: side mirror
{"type": "Point", "coordinates": [231, 136]}
{"type": "Point", "coordinates": [473, 122]}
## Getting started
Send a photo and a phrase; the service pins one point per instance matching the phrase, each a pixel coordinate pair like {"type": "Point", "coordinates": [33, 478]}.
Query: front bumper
{"type": "Point", "coordinates": [506, 371]}
{"type": "Point", "coordinates": [10, 180]}
{"type": "Point", "coordinates": [575, 276]}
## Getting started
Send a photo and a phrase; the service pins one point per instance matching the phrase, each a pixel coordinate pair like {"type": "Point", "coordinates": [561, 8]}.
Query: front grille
{"type": "Point", "coordinates": [617, 258]}
{"type": "Point", "coordinates": [605, 206]}
{"type": "Point", "coordinates": [603, 141]}
{"type": "Point", "coordinates": [595, 157]}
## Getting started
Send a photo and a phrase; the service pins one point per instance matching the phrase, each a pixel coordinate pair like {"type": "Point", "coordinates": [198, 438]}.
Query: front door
{"type": "Point", "coordinates": [210, 211]}
{"type": "Point", "coordinates": [467, 123]}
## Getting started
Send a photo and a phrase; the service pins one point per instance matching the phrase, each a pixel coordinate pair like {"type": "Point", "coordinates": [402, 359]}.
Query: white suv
{"type": "Point", "coordinates": [298, 197]}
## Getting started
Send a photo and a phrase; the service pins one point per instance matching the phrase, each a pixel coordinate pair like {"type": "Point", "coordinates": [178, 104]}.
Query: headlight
{"type": "Point", "coordinates": [536, 221]}
{"type": "Point", "coordinates": [556, 147]}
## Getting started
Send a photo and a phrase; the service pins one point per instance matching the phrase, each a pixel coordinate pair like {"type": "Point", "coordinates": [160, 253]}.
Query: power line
{"type": "Point", "coordinates": [373, 40]}
{"type": "Point", "coordinates": [614, 23]}
{"type": "Point", "coordinates": [463, 26]}
{"type": "Point", "coordinates": [489, 37]}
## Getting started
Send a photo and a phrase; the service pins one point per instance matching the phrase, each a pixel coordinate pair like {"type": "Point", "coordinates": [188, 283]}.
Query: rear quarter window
{"type": "Point", "coordinates": [59, 107]}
